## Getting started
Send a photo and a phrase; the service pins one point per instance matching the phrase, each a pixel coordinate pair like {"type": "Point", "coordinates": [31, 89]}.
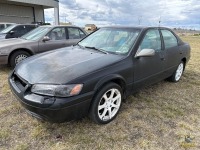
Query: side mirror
{"type": "Point", "coordinates": [46, 38]}
{"type": "Point", "coordinates": [12, 32]}
{"type": "Point", "coordinates": [145, 53]}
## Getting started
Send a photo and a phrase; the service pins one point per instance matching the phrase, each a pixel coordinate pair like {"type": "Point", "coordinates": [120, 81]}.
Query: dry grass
{"type": "Point", "coordinates": [157, 117]}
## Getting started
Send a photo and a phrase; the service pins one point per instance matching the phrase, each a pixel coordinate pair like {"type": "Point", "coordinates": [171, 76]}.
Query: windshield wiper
{"type": "Point", "coordinates": [79, 45]}
{"type": "Point", "coordinates": [96, 49]}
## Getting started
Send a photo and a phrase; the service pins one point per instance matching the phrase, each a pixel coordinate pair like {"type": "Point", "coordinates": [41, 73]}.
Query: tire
{"type": "Point", "coordinates": [104, 107]}
{"type": "Point", "coordinates": [17, 57]}
{"type": "Point", "coordinates": [176, 76]}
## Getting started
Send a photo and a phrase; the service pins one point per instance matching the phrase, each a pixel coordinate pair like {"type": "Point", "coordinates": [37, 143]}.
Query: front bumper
{"type": "Point", "coordinates": [3, 59]}
{"type": "Point", "coordinates": [51, 109]}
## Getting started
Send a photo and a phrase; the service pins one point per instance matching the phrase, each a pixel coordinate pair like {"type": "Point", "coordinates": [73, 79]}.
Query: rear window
{"type": "Point", "coordinates": [169, 39]}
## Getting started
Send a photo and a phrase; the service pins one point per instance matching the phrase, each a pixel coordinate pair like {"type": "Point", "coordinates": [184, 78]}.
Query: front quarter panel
{"type": "Point", "coordinates": [31, 46]}
{"type": "Point", "coordinates": [122, 70]}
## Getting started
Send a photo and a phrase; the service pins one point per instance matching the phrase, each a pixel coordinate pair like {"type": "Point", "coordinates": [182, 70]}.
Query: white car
{"type": "Point", "coordinates": [4, 25]}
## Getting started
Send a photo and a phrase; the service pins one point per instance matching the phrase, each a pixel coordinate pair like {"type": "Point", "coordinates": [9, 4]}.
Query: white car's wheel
{"type": "Point", "coordinates": [106, 104]}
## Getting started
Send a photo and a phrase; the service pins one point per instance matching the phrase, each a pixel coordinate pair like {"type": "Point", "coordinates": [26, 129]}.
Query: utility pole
{"type": "Point", "coordinates": [159, 21]}
{"type": "Point", "coordinates": [139, 20]}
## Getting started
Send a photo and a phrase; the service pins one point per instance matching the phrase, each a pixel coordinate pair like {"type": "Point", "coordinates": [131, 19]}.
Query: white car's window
{"type": "Point", "coordinates": [169, 39]}
{"type": "Point", "coordinates": [1, 26]}
{"type": "Point", "coordinates": [8, 25]}
{"type": "Point", "coordinates": [8, 29]}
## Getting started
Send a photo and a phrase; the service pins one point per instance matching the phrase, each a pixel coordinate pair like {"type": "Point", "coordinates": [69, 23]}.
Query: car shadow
{"type": "Point", "coordinates": [5, 67]}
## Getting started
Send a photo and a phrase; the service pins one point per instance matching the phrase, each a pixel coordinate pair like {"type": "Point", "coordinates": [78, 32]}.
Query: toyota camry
{"type": "Point", "coordinates": [93, 77]}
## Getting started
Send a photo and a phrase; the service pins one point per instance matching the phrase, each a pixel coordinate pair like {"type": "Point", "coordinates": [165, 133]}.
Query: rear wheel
{"type": "Point", "coordinates": [106, 104]}
{"type": "Point", "coordinates": [17, 57]}
{"type": "Point", "coordinates": [176, 76]}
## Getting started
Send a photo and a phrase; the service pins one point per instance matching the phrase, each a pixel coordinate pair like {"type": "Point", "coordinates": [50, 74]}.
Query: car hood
{"type": "Point", "coordinates": [13, 41]}
{"type": "Point", "coordinates": [63, 65]}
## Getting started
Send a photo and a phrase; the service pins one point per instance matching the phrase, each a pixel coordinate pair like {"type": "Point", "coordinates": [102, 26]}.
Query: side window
{"type": "Point", "coordinates": [29, 28]}
{"type": "Point", "coordinates": [151, 40]}
{"type": "Point", "coordinates": [169, 39]}
{"type": "Point", "coordinates": [82, 34]}
{"type": "Point", "coordinates": [57, 34]}
{"type": "Point", "coordinates": [74, 33]}
{"type": "Point", "coordinates": [20, 30]}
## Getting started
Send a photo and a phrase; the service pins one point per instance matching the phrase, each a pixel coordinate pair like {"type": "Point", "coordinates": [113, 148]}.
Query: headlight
{"type": "Point", "coordinates": [57, 90]}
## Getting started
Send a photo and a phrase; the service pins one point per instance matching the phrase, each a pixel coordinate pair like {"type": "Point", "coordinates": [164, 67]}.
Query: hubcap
{"type": "Point", "coordinates": [179, 72]}
{"type": "Point", "coordinates": [19, 58]}
{"type": "Point", "coordinates": [109, 104]}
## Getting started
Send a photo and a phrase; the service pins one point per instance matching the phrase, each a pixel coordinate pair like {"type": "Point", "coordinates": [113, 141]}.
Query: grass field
{"type": "Point", "coordinates": [159, 117]}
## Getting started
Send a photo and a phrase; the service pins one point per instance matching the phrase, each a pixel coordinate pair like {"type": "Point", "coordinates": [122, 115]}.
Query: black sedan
{"type": "Point", "coordinates": [16, 30]}
{"type": "Point", "coordinates": [95, 76]}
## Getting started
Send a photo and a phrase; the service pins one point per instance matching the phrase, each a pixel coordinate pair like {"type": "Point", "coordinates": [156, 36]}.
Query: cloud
{"type": "Point", "coordinates": [130, 12]}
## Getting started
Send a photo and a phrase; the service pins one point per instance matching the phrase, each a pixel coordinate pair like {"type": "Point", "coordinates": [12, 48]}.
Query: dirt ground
{"type": "Point", "coordinates": [164, 116]}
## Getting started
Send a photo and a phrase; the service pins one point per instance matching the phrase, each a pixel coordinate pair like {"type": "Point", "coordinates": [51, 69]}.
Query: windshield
{"type": "Point", "coordinates": [36, 34]}
{"type": "Point", "coordinates": [112, 40]}
{"type": "Point", "coordinates": [8, 29]}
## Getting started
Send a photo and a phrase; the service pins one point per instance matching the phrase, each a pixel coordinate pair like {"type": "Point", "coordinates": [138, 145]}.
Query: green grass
{"type": "Point", "coordinates": [157, 117]}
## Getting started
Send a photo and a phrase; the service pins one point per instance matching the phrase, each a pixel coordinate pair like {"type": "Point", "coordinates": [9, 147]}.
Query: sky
{"type": "Point", "coordinates": [170, 13]}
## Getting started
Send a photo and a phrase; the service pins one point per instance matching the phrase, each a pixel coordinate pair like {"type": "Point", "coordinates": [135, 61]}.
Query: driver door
{"type": "Point", "coordinates": [148, 70]}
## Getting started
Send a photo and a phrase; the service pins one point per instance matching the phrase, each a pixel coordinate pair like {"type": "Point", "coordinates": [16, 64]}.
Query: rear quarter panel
{"type": "Point", "coordinates": [185, 50]}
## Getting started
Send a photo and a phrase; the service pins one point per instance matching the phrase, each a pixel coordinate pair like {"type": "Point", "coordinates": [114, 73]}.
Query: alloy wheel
{"type": "Point", "coordinates": [179, 71]}
{"type": "Point", "coordinates": [109, 104]}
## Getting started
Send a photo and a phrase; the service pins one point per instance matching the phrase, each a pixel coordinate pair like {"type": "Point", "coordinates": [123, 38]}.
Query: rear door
{"type": "Point", "coordinates": [172, 51]}
{"type": "Point", "coordinates": [74, 35]}
{"type": "Point", "coordinates": [148, 70]}
{"type": "Point", "coordinates": [57, 40]}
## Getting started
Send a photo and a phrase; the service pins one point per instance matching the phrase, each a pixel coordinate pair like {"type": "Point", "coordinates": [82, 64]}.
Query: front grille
{"type": "Point", "coordinates": [20, 83]}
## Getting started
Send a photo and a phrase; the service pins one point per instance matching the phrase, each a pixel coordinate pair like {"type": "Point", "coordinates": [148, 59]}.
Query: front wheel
{"type": "Point", "coordinates": [17, 57]}
{"type": "Point", "coordinates": [106, 104]}
{"type": "Point", "coordinates": [176, 76]}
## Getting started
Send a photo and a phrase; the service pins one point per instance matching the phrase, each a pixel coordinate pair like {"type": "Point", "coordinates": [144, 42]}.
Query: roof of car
{"type": "Point", "coordinates": [58, 26]}
{"type": "Point", "coordinates": [134, 27]}
{"type": "Point", "coordinates": [25, 24]}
